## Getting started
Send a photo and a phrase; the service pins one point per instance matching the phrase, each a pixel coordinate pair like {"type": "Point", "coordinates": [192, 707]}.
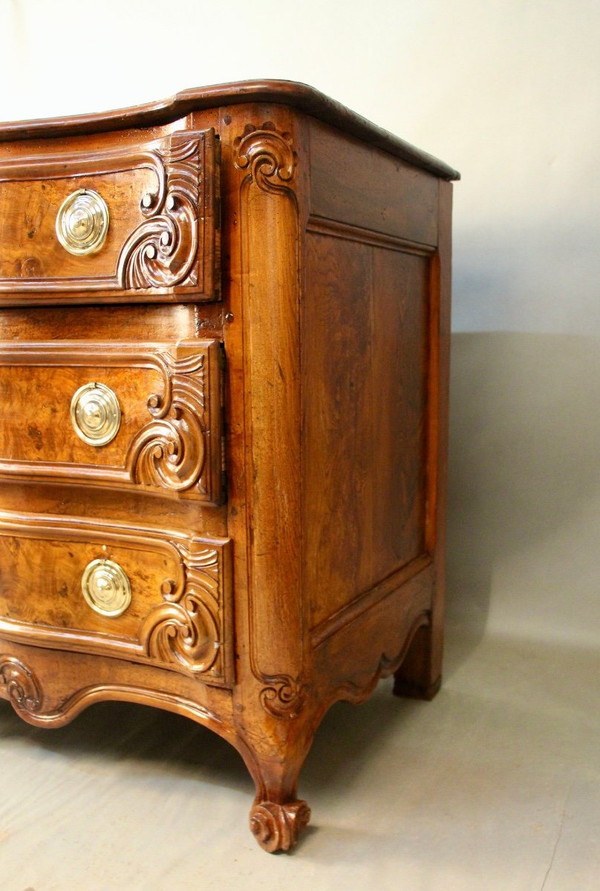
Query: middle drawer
{"type": "Point", "coordinates": [116, 415]}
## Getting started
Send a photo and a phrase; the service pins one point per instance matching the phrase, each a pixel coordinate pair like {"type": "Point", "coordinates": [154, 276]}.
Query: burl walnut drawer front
{"type": "Point", "coordinates": [116, 415]}
{"type": "Point", "coordinates": [117, 590]}
{"type": "Point", "coordinates": [135, 222]}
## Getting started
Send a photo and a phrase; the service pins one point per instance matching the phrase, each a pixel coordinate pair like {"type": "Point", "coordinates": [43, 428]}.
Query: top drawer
{"type": "Point", "coordinates": [133, 223]}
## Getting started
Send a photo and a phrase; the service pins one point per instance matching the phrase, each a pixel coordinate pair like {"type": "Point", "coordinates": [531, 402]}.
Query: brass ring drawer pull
{"type": "Point", "coordinates": [95, 414]}
{"type": "Point", "coordinates": [106, 588]}
{"type": "Point", "coordinates": [82, 222]}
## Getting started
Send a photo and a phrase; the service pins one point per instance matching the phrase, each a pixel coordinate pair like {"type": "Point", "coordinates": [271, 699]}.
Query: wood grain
{"type": "Point", "coordinates": [169, 436]}
{"type": "Point", "coordinates": [276, 491]}
{"type": "Point", "coordinates": [365, 367]}
{"type": "Point", "coordinates": [180, 612]}
{"type": "Point", "coordinates": [163, 238]}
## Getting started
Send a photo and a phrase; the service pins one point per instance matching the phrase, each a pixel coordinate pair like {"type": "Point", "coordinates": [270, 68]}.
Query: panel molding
{"type": "Point", "coordinates": [176, 244]}
{"type": "Point", "coordinates": [336, 229]}
{"type": "Point", "coordinates": [177, 451]}
{"type": "Point", "coordinates": [189, 626]}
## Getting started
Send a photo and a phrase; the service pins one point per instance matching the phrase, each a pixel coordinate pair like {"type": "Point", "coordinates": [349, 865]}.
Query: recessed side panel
{"type": "Point", "coordinates": [365, 372]}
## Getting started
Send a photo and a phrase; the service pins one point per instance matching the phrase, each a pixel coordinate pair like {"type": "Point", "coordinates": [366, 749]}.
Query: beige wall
{"type": "Point", "coordinates": [508, 91]}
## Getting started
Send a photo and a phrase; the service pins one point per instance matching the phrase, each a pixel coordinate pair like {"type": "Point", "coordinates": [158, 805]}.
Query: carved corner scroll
{"type": "Point", "coordinates": [186, 630]}
{"type": "Point", "coordinates": [284, 697]}
{"type": "Point", "coordinates": [269, 207]}
{"type": "Point", "coordinates": [179, 449]}
{"type": "Point", "coordinates": [19, 685]}
{"type": "Point", "coordinates": [268, 156]}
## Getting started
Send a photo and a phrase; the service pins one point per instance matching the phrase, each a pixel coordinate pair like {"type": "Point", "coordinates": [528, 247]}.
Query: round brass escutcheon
{"type": "Point", "coordinates": [106, 588]}
{"type": "Point", "coordinates": [95, 414]}
{"type": "Point", "coordinates": [82, 222]}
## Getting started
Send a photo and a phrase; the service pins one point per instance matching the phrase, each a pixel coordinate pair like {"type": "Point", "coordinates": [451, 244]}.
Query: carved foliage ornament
{"type": "Point", "coordinates": [163, 249]}
{"type": "Point", "coordinates": [268, 157]}
{"type": "Point", "coordinates": [170, 451]}
{"type": "Point", "coordinates": [185, 630]}
{"type": "Point", "coordinates": [20, 685]}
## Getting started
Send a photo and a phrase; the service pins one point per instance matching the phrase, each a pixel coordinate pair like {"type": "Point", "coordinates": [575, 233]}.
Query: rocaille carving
{"type": "Point", "coordinates": [185, 629]}
{"type": "Point", "coordinates": [170, 451]}
{"type": "Point", "coordinates": [268, 156]}
{"type": "Point", "coordinates": [20, 685]}
{"type": "Point", "coordinates": [163, 249]}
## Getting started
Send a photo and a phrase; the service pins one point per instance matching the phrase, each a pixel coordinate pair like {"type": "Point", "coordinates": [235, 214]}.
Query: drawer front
{"type": "Point", "coordinates": [140, 594]}
{"type": "Point", "coordinates": [115, 415]}
{"type": "Point", "coordinates": [129, 224]}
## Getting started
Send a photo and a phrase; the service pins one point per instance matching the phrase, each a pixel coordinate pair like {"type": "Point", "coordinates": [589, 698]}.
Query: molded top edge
{"type": "Point", "coordinates": [284, 92]}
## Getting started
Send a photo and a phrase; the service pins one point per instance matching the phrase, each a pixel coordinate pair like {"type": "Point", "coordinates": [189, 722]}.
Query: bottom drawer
{"type": "Point", "coordinates": [117, 590]}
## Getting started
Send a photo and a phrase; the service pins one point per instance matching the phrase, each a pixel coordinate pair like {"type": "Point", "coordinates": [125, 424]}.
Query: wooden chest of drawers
{"type": "Point", "coordinates": [224, 327]}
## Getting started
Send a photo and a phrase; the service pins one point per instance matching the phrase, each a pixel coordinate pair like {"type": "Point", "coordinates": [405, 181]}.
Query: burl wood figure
{"type": "Point", "coordinates": [223, 369]}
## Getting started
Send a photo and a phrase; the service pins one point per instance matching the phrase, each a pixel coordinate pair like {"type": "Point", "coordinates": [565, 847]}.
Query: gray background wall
{"type": "Point", "coordinates": [508, 92]}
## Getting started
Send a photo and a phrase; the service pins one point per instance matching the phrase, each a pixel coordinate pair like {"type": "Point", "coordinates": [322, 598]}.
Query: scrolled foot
{"type": "Point", "coordinates": [276, 827]}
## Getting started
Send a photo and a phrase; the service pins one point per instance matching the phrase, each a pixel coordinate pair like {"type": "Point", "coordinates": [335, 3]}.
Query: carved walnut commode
{"type": "Point", "coordinates": [223, 373]}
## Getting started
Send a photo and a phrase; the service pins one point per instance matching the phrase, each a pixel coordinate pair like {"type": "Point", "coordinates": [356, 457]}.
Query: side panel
{"type": "Point", "coordinates": [369, 438]}
{"type": "Point", "coordinates": [365, 367]}
{"type": "Point", "coordinates": [353, 183]}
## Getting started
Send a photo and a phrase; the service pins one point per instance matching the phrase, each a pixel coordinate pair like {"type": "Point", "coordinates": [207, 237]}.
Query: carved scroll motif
{"type": "Point", "coordinates": [21, 685]}
{"type": "Point", "coordinates": [162, 251]}
{"type": "Point", "coordinates": [276, 827]}
{"type": "Point", "coordinates": [185, 630]}
{"type": "Point", "coordinates": [284, 697]}
{"type": "Point", "coordinates": [170, 451]}
{"type": "Point", "coordinates": [268, 156]}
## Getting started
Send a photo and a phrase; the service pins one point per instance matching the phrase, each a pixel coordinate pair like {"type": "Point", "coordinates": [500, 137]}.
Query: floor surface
{"type": "Point", "coordinates": [493, 786]}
